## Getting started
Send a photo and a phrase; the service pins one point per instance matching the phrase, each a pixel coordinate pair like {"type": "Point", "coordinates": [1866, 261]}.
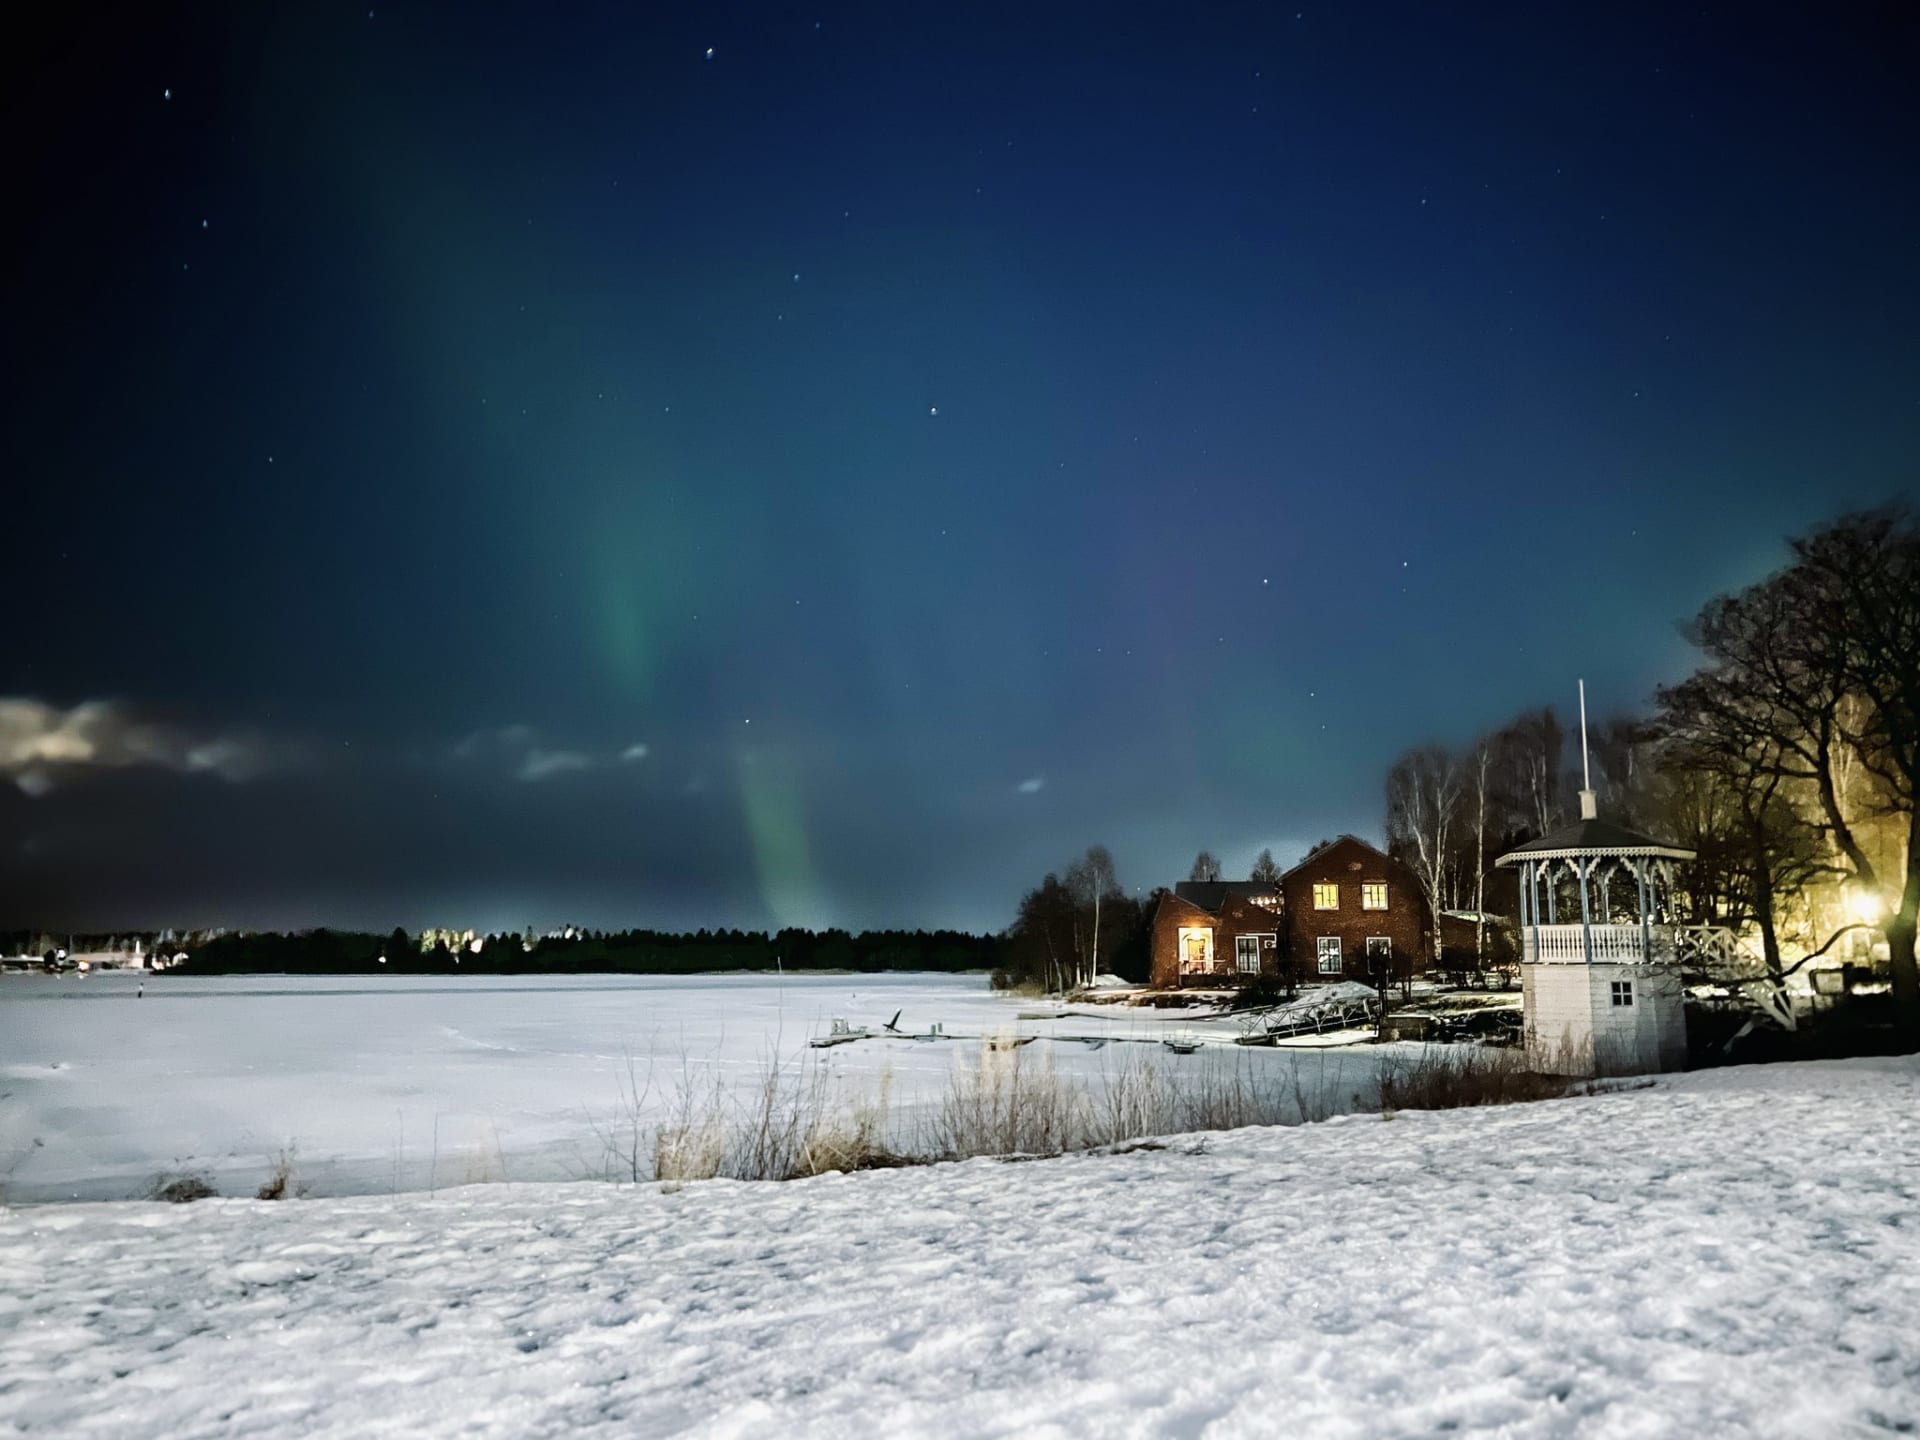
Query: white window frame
{"type": "Point", "coordinates": [1327, 947]}
{"type": "Point", "coordinates": [1330, 885]}
{"type": "Point", "coordinates": [1261, 943]}
{"type": "Point", "coordinates": [1187, 968]}
{"type": "Point", "coordinates": [1622, 993]}
{"type": "Point", "coordinates": [1366, 900]}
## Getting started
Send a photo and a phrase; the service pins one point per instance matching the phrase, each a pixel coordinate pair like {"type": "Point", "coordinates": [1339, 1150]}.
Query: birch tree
{"type": "Point", "coordinates": [1423, 800]}
{"type": "Point", "coordinates": [1091, 881]}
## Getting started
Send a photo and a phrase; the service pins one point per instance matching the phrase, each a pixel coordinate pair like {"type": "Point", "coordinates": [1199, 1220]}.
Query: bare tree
{"type": "Point", "coordinates": [1720, 738]}
{"type": "Point", "coordinates": [1529, 755]}
{"type": "Point", "coordinates": [1423, 799]}
{"type": "Point", "coordinates": [1091, 881]}
{"type": "Point", "coordinates": [1205, 867]}
{"type": "Point", "coordinates": [1265, 870]}
{"type": "Point", "coordinates": [1480, 803]}
{"type": "Point", "coordinates": [1824, 658]}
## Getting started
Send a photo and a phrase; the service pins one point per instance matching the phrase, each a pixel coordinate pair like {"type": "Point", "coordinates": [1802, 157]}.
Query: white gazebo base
{"type": "Point", "coordinates": [1605, 1018]}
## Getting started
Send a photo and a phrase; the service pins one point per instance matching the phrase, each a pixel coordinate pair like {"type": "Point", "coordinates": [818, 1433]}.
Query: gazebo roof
{"type": "Point", "coordinates": [1593, 838]}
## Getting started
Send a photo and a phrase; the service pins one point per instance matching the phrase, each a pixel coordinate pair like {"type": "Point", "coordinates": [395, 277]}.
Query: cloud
{"type": "Point", "coordinates": [1031, 786]}
{"type": "Point", "coordinates": [520, 751]}
{"type": "Point", "coordinates": [42, 744]}
{"type": "Point", "coordinates": [544, 764]}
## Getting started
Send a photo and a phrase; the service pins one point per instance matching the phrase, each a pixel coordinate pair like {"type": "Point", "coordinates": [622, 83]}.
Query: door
{"type": "Point", "coordinates": [1379, 956]}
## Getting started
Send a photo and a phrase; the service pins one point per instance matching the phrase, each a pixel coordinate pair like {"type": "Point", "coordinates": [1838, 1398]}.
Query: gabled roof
{"type": "Point", "coordinates": [1210, 895]}
{"type": "Point", "coordinates": [1593, 838]}
{"type": "Point", "coordinates": [1331, 846]}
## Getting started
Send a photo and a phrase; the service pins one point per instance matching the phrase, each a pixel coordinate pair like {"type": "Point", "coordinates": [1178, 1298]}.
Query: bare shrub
{"type": "Point", "coordinates": [10, 1163]}
{"type": "Point", "coordinates": [1464, 1075]}
{"type": "Point", "coordinates": [281, 1183]}
{"type": "Point", "coordinates": [626, 1145]}
{"type": "Point", "coordinates": [181, 1189]}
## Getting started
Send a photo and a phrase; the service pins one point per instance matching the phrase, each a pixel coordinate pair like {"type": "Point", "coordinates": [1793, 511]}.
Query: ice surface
{"type": "Point", "coordinates": [417, 1082]}
{"type": "Point", "coordinates": [1730, 1254]}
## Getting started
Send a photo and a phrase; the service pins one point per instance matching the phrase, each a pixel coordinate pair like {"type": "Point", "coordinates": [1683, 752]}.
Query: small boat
{"type": "Point", "coordinates": [1181, 1045]}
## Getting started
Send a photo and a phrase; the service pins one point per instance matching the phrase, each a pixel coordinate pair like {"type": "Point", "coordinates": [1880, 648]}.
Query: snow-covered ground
{"type": "Point", "coordinates": [417, 1083]}
{"type": "Point", "coordinates": [1728, 1254]}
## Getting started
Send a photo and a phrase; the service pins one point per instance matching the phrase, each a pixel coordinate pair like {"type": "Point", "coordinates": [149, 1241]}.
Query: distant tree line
{"type": "Point", "coordinates": [631, 952]}
{"type": "Point", "coordinates": [1788, 761]}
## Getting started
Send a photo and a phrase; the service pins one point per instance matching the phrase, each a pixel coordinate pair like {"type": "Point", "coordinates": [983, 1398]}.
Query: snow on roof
{"type": "Point", "coordinates": [1593, 837]}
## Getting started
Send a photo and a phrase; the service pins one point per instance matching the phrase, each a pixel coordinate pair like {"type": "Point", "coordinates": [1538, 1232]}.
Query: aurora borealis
{"type": "Point", "coordinates": [498, 465]}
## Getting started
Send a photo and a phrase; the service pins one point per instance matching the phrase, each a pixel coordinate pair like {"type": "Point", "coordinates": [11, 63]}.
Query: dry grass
{"type": "Point", "coordinates": [1010, 1101]}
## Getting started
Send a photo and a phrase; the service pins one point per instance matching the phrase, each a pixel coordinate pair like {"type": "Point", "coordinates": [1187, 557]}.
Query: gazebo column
{"type": "Point", "coordinates": [1529, 910]}
{"type": "Point", "coordinates": [1646, 909]}
{"type": "Point", "coordinates": [1553, 909]}
{"type": "Point", "coordinates": [1586, 918]}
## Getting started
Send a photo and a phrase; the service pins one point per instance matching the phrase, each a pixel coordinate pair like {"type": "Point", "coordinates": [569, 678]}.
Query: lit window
{"type": "Point", "coordinates": [1623, 992]}
{"type": "Point", "coordinates": [1373, 895]}
{"type": "Point", "coordinates": [1329, 949]}
{"type": "Point", "coordinates": [1246, 953]}
{"type": "Point", "coordinates": [1326, 897]}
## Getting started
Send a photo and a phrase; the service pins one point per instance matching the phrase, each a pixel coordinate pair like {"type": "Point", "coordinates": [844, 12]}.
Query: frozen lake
{"type": "Point", "coordinates": [423, 1082]}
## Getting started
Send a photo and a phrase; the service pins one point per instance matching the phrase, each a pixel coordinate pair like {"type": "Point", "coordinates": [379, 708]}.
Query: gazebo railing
{"type": "Point", "coordinates": [1567, 944]}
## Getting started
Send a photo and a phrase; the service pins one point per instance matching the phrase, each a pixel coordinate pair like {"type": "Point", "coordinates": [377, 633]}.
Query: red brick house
{"type": "Point", "coordinates": [1343, 903]}
{"type": "Point", "coordinates": [1221, 932]}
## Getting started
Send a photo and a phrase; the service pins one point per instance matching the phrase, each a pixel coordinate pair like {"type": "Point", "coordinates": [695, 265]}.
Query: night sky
{"type": "Point", "coordinates": [732, 465]}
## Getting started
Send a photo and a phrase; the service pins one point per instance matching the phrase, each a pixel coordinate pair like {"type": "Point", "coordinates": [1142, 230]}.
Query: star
{"type": "Point", "coordinates": [709, 52]}
{"type": "Point", "coordinates": [166, 94]}
{"type": "Point", "coordinates": [933, 409]}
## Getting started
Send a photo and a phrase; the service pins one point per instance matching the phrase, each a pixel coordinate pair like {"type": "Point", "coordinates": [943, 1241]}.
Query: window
{"type": "Point", "coordinates": [1379, 947]}
{"type": "Point", "coordinates": [1373, 895]}
{"type": "Point", "coordinates": [1246, 953]}
{"type": "Point", "coordinates": [1329, 948]}
{"type": "Point", "coordinates": [1326, 897]}
{"type": "Point", "coordinates": [1196, 948]}
{"type": "Point", "coordinates": [1623, 992]}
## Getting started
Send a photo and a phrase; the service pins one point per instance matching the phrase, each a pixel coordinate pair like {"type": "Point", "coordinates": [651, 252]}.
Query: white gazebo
{"type": "Point", "coordinates": [1600, 951]}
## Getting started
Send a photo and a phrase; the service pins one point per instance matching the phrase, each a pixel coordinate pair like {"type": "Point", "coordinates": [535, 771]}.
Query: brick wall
{"type": "Point", "coordinates": [1236, 918]}
{"type": "Point", "coordinates": [1349, 864]}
